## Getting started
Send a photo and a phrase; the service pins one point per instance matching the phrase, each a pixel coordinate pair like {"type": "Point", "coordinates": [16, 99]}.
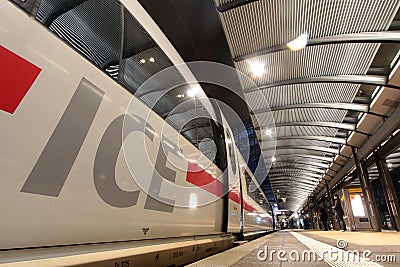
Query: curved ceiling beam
{"type": "Point", "coordinates": [327, 124]}
{"type": "Point", "coordinates": [300, 165]}
{"type": "Point", "coordinates": [359, 107]}
{"type": "Point", "coordinates": [294, 177]}
{"type": "Point", "coordinates": [363, 37]}
{"type": "Point", "coordinates": [282, 182]}
{"type": "Point", "coordinates": [311, 183]}
{"type": "Point", "coordinates": [285, 171]}
{"type": "Point", "coordinates": [298, 168]}
{"type": "Point", "coordinates": [341, 106]}
{"type": "Point", "coordinates": [313, 163]}
{"type": "Point", "coordinates": [304, 192]}
{"type": "Point", "coordinates": [285, 187]}
{"type": "Point", "coordinates": [295, 142]}
{"type": "Point", "coordinates": [336, 140]}
{"type": "Point", "coordinates": [310, 160]}
{"type": "Point", "coordinates": [304, 179]}
{"type": "Point", "coordinates": [295, 185]}
{"type": "Point", "coordinates": [308, 179]}
{"type": "Point", "coordinates": [311, 156]}
{"type": "Point", "coordinates": [314, 148]}
{"type": "Point", "coordinates": [376, 80]}
{"type": "Point", "coordinates": [304, 185]}
{"type": "Point", "coordinates": [285, 193]}
{"type": "Point", "coordinates": [299, 195]}
{"type": "Point", "coordinates": [295, 174]}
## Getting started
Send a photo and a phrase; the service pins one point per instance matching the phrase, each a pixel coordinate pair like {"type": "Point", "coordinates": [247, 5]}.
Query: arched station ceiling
{"type": "Point", "coordinates": [324, 98]}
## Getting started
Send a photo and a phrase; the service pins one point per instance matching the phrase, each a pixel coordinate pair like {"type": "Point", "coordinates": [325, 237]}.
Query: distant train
{"type": "Point", "coordinates": [82, 182]}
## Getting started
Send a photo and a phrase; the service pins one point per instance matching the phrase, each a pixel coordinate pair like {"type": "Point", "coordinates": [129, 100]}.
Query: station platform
{"type": "Point", "coordinates": [312, 248]}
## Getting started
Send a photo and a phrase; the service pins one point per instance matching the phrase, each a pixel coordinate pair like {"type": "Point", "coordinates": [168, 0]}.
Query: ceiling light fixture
{"type": "Point", "coordinates": [298, 43]}
{"type": "Point", "coordinates": [143, 61]}
{"type": "Point", "coordinates": [273, 159]}
{"type": "Point", "coordinates": [268, 132]}
{"type": "Point", "coordinates": [151, 59]}
{"type": "Point", "coordinates": [257, 68]}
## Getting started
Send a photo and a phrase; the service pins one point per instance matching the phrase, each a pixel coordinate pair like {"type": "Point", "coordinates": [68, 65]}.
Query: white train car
{"type": "Point", "coordinates": [82, 183]}
{"type": "Point", "coordinates": [257, 211]}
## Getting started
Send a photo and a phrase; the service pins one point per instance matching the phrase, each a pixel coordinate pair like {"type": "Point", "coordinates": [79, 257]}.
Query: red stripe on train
{"type": "Point", "coordinates": [234, 196]}
{"type": "Point", "coordinates": [17, 76]}
{"type": "Point", "coordinates": [199, 177]}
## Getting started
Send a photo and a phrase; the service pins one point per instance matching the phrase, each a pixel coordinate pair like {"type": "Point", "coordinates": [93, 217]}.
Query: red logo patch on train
{"type": "Point", "coordinates": [17, 77]}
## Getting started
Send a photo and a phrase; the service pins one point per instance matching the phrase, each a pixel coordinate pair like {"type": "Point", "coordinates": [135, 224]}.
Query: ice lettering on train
{"type": "Point", "coordinates": [161, 172]}
{"type": "Point", "coordinates": [106, 161]}
{"type": "Point", "coordinates": [54, 164]}
{"type": "Point", "coordinates": [50, 172]}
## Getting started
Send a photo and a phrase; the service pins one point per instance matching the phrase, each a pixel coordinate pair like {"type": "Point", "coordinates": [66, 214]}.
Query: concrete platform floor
{"type": "Point", "coordinates": [313, 248]}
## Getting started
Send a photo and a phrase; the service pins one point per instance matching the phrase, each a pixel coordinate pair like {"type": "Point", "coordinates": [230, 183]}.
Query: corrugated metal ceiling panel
{"type": "Point", "coordinates": [302, 93]}
{"type": "Point", "coordinates": [313, 61]}
{"type": "Point", "coordinates": [307, 114]}
{"type": "Point", "coordinates": [269, 23]}
{"type": "Point", "coordinates": [296, 151]}
{"type": "Point", "coordinates": [305, 130]}
{"type": "Point", "coordinates": [296, 142]}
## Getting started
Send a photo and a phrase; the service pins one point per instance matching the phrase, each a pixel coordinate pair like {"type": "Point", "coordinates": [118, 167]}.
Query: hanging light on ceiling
{"type": "Point", "coordinates": [298, 43]}
{"type": "Point", "coordinates": [257, 68]}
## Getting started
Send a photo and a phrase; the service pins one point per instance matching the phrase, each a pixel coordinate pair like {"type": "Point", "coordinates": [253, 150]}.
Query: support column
{"type": "Point", "coordinates": [329, 193]}
{"type": "Point", "coordinates": [388, 188]}
{"type": "Point", "coordinates": [368, 194]}
{"type": "Point", "coordinates": [331, 215]}
{"type": "Point", "coordinates": [315, 214]}
{"type": "Point", "coordinates": [310, 218]}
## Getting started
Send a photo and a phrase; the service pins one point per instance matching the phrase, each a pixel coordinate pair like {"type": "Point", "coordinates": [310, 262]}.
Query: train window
{"type": "Point", "coordinates": [256, 195]}
{"type": "Point", "coordinates": [142, 58]}
{"type": "Point", "coordinates": [190, 118]}
{"type": "Point", "coordinates": [92, 27]}
{"type": "Point", "coordinates": [182, 109]}
{"type": "Point", "coordinates": [137, 68]}
{"type": "Point", "coordinates": [199, 132]}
